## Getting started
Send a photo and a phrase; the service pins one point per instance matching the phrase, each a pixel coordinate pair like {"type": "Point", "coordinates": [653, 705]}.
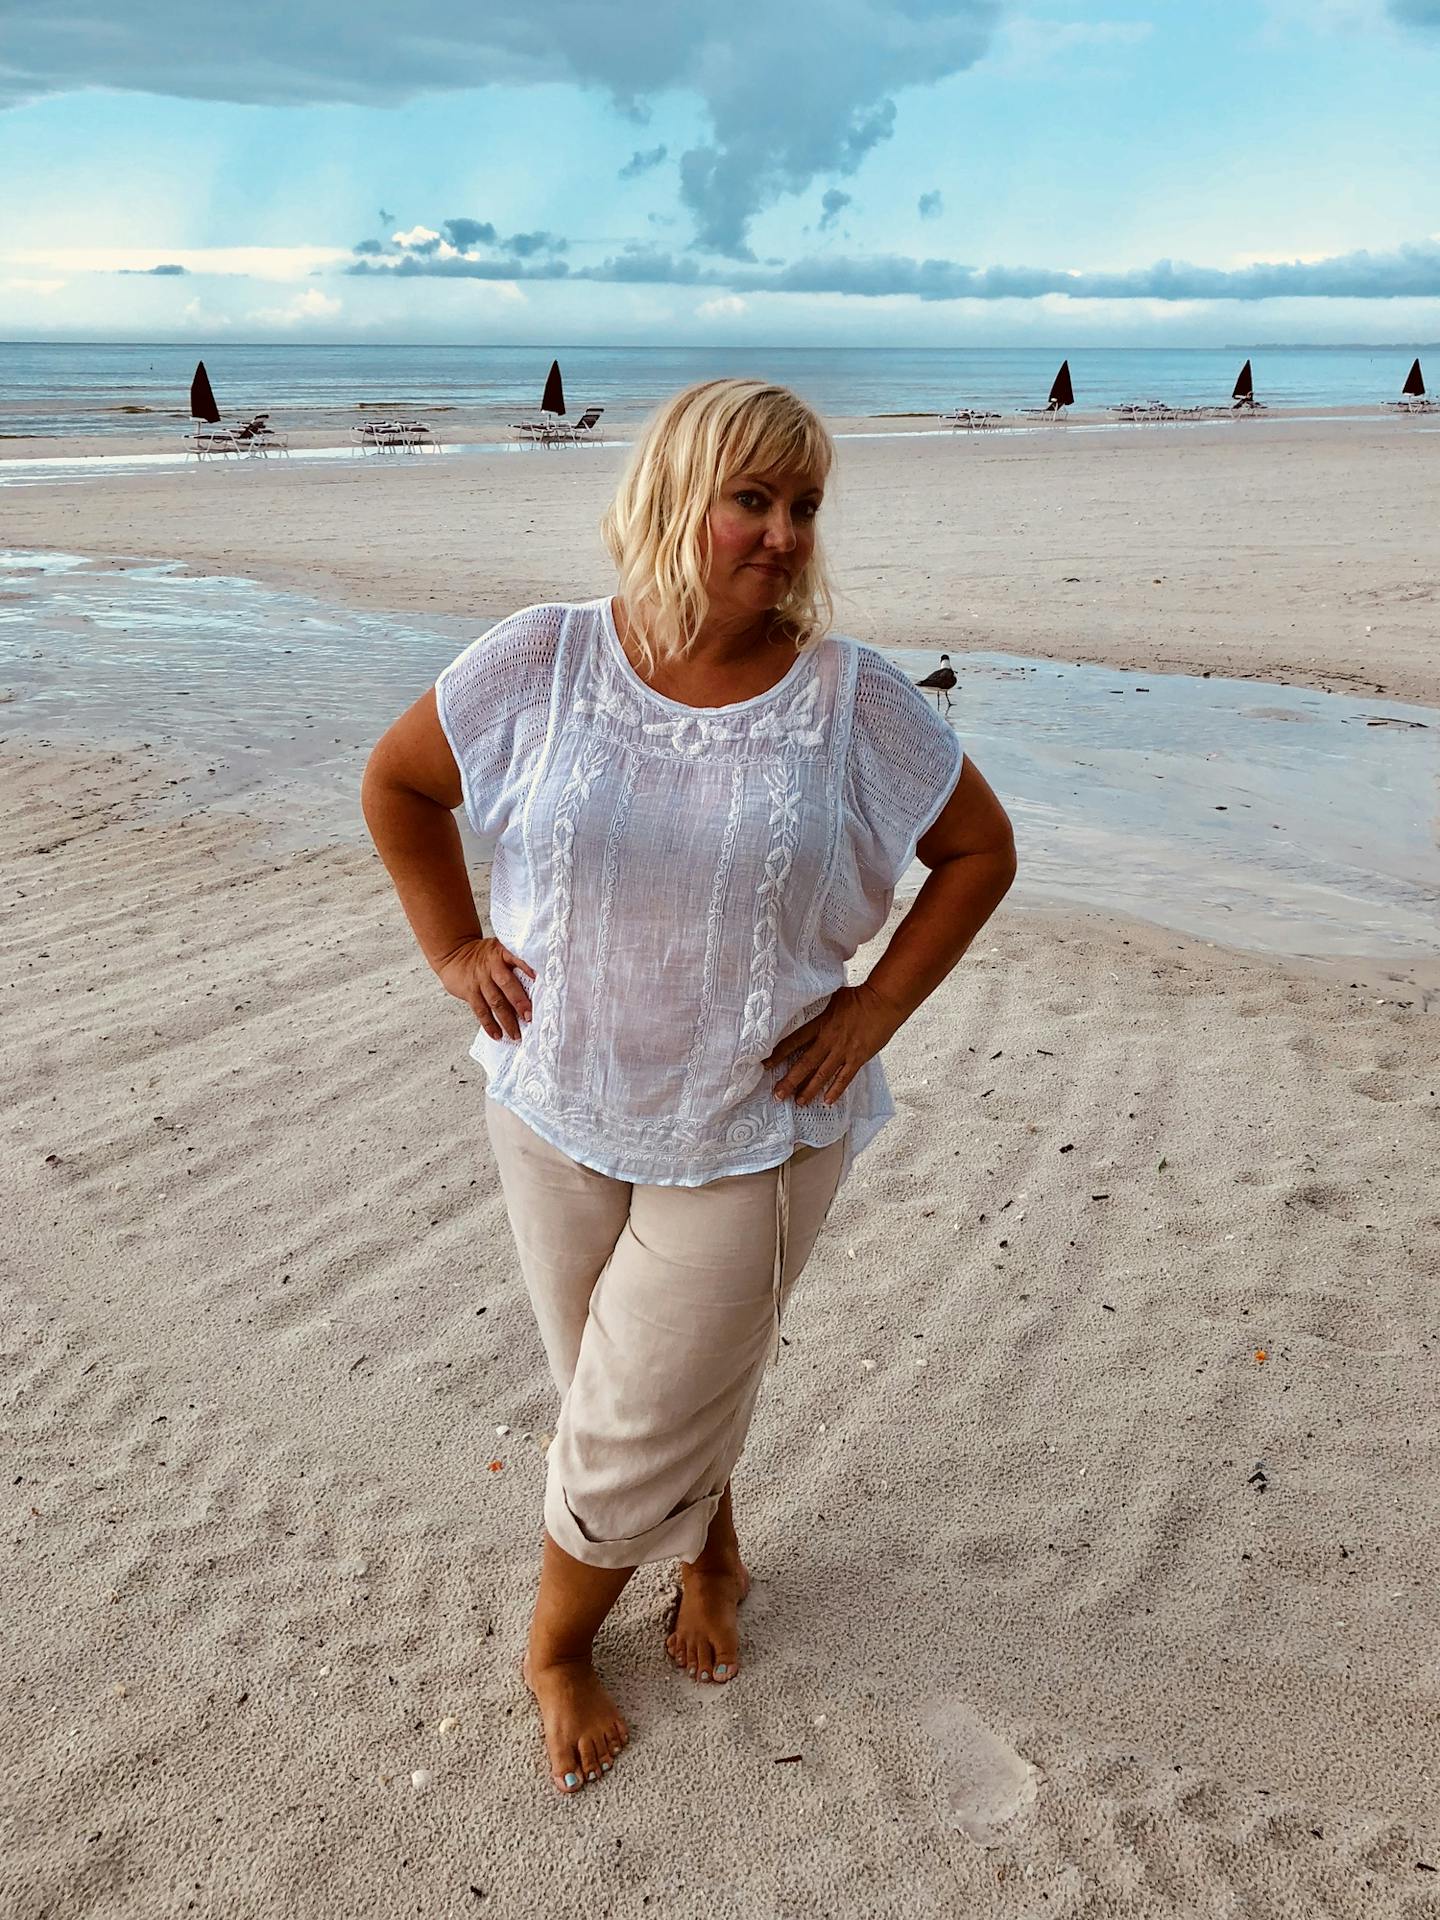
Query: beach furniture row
{"type": "Point", "coordinates": [552, 430]}
{"type": "Point", "coordinates": [1142, 413]}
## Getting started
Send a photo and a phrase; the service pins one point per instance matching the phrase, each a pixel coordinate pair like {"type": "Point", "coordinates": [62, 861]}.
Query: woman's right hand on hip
{"type": "Point", "coordinates": [486, 976]}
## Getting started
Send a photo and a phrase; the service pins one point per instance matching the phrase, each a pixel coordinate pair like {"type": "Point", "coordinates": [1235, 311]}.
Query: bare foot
{"type": "Point", "coordinates": [583, 1730]}
{"type": "Point", "coordinates": [705, 1641]}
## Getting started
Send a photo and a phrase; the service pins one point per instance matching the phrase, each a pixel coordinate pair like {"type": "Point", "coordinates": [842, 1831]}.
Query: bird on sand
{"type": "Point", "coordinates": [940, 681]}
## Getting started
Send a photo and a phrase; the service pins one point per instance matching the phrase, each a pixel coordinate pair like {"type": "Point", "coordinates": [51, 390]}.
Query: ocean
{"type": "Point", "coordinates": [72, 388]}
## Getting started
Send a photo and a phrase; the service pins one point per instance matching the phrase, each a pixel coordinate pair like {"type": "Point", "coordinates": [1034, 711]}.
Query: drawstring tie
{"type": "Point", "coordinates": [782, 1237]}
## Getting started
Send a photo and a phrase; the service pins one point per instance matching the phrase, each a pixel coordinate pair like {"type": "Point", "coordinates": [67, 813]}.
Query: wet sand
{"type": "Point", "coordinates": [1272, 549]}
{"type": "Point", "coordinates": [1142, 1539]}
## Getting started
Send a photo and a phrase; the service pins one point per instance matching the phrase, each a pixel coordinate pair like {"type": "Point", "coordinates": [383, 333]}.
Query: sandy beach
{"type": "Point", "coordinates": [1297, 550]}
{"type": "Point", "coordinates": [1092, 1508]}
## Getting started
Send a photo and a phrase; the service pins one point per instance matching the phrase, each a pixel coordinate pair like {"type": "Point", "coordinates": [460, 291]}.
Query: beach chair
{"type": "Point", "coordinates": [257, 436]}
{"type": "Point", "coordinates": [391, 436]}
{"type": "Point", "coordinates": [207, 442]}
{"type": "Point", "coordinates": [583, 432]}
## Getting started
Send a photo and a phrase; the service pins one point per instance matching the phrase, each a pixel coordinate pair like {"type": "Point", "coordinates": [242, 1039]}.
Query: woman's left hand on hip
{"type": "Point", "coordinates": [835, 1043]}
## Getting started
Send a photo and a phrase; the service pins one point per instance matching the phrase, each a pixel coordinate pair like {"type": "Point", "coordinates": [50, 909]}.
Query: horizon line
{"type": "Point", "coordinates": [705, 346]}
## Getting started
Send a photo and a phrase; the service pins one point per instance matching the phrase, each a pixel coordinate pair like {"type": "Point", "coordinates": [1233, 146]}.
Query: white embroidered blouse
{"type": "Point", "coordinates": [688, 884]}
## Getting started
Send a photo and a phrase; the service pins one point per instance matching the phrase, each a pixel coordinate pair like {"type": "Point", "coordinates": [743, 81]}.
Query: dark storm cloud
{"type": "Point", "coordinates": [786, 99]}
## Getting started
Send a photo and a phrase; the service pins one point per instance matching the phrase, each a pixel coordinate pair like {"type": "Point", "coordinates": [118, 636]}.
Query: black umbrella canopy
{"type": "Point", "coordinates": [554, 398]}
{"type": "Point", "coordinates": [1062, 394]}
{"type": "Point", "coordinates": [202, 397]}
{"type": "Point", "coordinates": [1244, 388]}
{"type": "Point", "coordinates": [1415, 382]}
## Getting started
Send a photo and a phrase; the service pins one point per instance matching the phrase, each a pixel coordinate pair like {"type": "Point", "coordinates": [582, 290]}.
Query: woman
{"type": "Point", "coordinates": [701, 802]}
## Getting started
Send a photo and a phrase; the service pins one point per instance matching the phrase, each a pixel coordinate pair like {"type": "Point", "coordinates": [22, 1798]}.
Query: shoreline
{"type": "Point", "coordinates": [480, 427]}
{"type": "Point", "coordinates": [1300, 557]}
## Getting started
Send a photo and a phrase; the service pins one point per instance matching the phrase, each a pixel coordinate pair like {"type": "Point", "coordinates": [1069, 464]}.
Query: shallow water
{"type": "Point", "coordinates": [1267, 817]}
{"type": "Point", "coordinates": [70, 469]}
{"type": "Point", "coordinates": [73, 469]}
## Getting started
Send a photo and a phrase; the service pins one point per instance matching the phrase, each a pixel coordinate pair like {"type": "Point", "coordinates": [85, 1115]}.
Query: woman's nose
{"type": "Point", "coordinates": [780, 531]}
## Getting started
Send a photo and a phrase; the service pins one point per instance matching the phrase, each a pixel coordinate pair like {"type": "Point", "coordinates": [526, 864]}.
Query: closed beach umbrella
{"type": "Point", "coordinates": [1244, 388]}
{"type": "Point", "coordinates": [202, 397]}
{"type": "Point", "coordinates": [1062, 394]}
{"type": "Point", "coordinates": [554, 399]}
{"type": "Point", "coordinates": [1414, 382]}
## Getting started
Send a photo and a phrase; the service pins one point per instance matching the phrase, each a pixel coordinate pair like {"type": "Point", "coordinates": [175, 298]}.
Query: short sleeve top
{"type": "Point", "coordinates": [688, 884]}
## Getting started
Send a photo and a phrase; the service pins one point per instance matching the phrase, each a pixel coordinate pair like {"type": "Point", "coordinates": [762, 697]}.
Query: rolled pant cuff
{"type": "Point", "coordinates": [681, 1536]}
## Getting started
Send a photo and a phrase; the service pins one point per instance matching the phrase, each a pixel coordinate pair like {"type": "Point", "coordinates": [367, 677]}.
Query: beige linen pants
{"type": "Point", "coordinates": [659, 1308]}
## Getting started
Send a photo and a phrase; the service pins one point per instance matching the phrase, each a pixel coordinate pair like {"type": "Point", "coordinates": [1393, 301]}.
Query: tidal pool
{"type": "Point", "coordinates": [1266, 817]}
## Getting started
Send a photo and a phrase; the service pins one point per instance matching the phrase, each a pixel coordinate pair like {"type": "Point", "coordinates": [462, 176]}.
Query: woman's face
{"type": "Point", "coordinates": [761, 534]}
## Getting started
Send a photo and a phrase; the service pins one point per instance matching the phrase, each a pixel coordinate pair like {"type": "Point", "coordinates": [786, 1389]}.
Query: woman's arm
{"type": "Point", "coordinates": [409, 795]}
{"type": "Point", "coordinates": [970, 851]}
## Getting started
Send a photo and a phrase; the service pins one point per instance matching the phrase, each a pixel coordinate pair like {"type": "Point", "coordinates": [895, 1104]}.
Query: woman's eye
{"type": "Point", "coordinates": [748, 499]}
{"type": "Point", "coordinates": [807, 510]}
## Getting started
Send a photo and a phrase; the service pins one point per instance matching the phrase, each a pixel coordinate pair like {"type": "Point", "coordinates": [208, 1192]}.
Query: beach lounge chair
{"type": "Point", "coordinates": [583, 432]}
{"type": "Point", "coordinates": [968, 420]}
{"type": "Point", "coordinates": [256, 435]}
{"type": "Point", "coordinates": [207, 442]}
{"type": "Point", "coordinates": [387, 436]}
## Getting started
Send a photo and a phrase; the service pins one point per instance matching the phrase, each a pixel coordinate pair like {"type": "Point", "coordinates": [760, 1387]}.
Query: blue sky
{"type": "Point", "coordinates": [932, 172]}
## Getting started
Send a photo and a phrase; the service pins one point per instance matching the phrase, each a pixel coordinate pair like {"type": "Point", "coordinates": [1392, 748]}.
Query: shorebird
{"type": "Point", "coordinates": [940, 681]}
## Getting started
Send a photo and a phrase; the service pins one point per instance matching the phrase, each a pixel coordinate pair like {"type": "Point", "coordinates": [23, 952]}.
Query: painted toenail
{"type": "Point", "coordinates": [721, 1670]}
{"type": "Point", "coordinates": [572, 1779]}
{"type": "Point", "coordinates": [604, 1766]}
{"type": "Point", "coordinates": [703, 1674]}
{"type": "Point", "coordinates": [592, 1776]}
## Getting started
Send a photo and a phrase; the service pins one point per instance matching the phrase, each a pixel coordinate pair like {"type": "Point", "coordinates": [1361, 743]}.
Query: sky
{"type": "Point", "coordinates": [624, 172]}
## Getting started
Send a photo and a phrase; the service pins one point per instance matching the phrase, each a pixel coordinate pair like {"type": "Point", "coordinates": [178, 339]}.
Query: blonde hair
{"type": "Point", "coordinates": [655, 526]}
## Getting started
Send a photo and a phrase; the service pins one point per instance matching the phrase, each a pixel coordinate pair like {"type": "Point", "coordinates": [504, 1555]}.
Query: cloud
{"type": "Point", "coordinates": [524, 245]}
{"type": "Point", "coordinates": [832, 205]}
{"type": "Point", "coordinates": [639, 163]}
{"type": "Point", "coordinates": [420, 240]}
{"type": "Point", "coordinates": [468, 233]}
{"type": "Point", "coordinates": [784, 102]}
{"type": "Point", "coordinates": [459, 248]}
{"type": "Point", "coordinates": [930, 205]}
{"type": "Point", "coordinates": [724, 306]}
{"type": "Point", "coordinates": [1412, 271]}
{"type": "Point", "coordinates": [312, 305]}
{"type": "Point", "coordinates": [386, 219]}
{"type": "Point", "coordinates": [202, 320]}
{"type": "Point", "coordinates": [259, 263]}
{"type": "Point", "coordinates": [33, 286]}
{"type": "Point", "coordinates": [1416, 13]}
